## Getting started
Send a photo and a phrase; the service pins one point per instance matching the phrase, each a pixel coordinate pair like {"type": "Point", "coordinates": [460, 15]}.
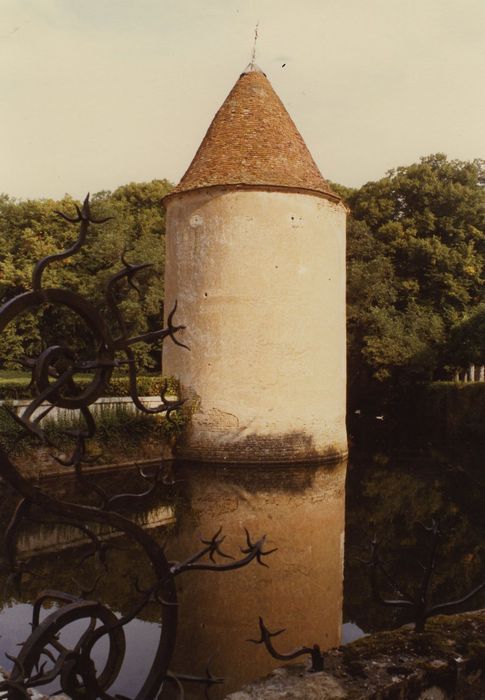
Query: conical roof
{"type": "Point", "coordinates": [253, 142]}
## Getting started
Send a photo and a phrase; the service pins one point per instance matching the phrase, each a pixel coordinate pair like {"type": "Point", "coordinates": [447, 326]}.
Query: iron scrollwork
{"type": "Point", "coordinates": [43, 658]}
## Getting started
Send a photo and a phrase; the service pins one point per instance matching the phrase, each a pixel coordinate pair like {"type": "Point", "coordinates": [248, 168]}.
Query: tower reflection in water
{"type": "Point", "coordinates": [301, 509]}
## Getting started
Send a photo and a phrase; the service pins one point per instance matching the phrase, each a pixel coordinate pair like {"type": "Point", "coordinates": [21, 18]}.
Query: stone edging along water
{"type": "Point", "coordinates": [445, 662]}
{"type": "Point", "coordinates": [106, 402]}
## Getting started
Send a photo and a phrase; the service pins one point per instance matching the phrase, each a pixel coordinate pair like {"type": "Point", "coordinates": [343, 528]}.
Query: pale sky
{"type": "Point", "coordinates": [98, 93]}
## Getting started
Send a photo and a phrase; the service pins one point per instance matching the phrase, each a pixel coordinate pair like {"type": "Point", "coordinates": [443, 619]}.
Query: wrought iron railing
{"type": "Point", "coordinates": [44, 658]}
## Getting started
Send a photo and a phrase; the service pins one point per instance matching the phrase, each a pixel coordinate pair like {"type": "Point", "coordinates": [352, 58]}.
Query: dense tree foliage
{"type": "Point", "coordinates": [31, 229]}
{"type": "Point", "coordinates": [467, 339]}
{"type": "Point", "coordinates": [416, 254]}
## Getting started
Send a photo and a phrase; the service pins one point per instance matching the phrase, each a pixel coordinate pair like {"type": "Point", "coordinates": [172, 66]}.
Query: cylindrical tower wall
{"type": "Point", "coordinates": [259, 276]}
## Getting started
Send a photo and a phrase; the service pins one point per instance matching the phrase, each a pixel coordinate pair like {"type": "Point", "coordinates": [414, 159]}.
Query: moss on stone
{"type": "Point", "coordinates": [449, 657]}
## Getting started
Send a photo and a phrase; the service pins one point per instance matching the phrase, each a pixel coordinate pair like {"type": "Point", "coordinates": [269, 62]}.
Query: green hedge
{"type": "Point", "coordinates": [116, 426]}
{"type": "Point", "coordinates": [148, 385]}
{"type": "Point", "coordinates": [452, 408]}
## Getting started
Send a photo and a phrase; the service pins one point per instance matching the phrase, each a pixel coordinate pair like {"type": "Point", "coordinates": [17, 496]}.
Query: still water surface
{"type": "Point", "coordinates": [302, 511]}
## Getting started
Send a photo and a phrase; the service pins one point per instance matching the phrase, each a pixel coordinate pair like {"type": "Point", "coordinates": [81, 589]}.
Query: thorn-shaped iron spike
{"type": "Point", "coordinates": [83, 214]}
{"type": "Point", "coordinates": [215, 546]}
{"type": "Point", "coordinates": [174, 329]}
{"type": "Point", "coordinates": [213, 539]}
{"type": "Point", "coordinates": [248, 542]}
{"type": "Point", "coordinates": [261, 554]}
{"type": "Point", "coordinates": [49, 654]}
{"type": "Point", "coordinates": [258, 548]}
{"type": "Point", "coordinates": [18, 664]}
{"type": "Point", "coordinates": [266, 635]}
{"type": "Point", "coordinates": [101, 221]}
{"type": "Point", "coordinates": [39, 671]}
{"type": "Point", "coordinates": [86, 213]}
{"type": "Point", "coordinates": [69, 219]}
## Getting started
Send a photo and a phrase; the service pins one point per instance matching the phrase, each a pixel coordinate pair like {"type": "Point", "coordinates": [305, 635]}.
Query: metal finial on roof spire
{"type": "Point", "coordinates": [253, 55]}
{"type": "Point", "coordinates": [252, 67]}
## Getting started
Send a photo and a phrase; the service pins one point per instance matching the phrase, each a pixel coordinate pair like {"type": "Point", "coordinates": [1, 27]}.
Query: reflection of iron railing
{"type": "Point", "coordinates": [43, 658]}
{"type": "Point", "coordinates": [417, 601]}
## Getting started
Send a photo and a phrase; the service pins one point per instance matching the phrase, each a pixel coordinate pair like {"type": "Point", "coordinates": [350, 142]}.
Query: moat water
{"type": "Point", "coordinates": [313, 587]}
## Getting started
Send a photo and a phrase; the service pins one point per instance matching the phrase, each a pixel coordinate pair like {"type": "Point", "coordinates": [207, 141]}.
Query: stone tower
{"type": "Point", "coordinates": [256, 259]}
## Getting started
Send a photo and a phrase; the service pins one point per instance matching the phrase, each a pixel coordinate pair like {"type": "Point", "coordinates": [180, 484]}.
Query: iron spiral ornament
{"type": "Point", "coordinates": [43, 659]}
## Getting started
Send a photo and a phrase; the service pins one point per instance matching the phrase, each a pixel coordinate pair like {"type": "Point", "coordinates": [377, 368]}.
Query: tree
{"type": "Point", "coordinates": [466, 343]}
{"type": "Point", "coordinates": [416, 254]}
{"type": "Point", "coordinates": [30, 230]}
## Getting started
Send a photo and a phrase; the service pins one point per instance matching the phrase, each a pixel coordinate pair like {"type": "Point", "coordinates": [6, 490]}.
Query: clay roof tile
{"type": "Point", "coordinates": [253, 141]}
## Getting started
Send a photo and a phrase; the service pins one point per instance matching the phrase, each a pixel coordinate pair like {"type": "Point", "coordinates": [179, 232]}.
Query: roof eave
{"type": "Point", "coordinates": [262, 187]}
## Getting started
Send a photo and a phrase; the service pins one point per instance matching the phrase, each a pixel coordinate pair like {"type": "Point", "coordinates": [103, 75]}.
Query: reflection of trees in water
{"type": "Point", "coordinates": [61, 570]}
{"type": "Point", "coordinates": [302, 511]}
{"type": "Point", "coordinates": [386, 494]}
{"type": "Point", "coordinates": [389, 494]}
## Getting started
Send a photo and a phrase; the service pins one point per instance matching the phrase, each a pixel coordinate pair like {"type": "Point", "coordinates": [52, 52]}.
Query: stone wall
{"type": "Point", "coordinates": [446, 661]}
{"type": "Point", "coordinates": [103, 403]}
{"type": "Point", "coordinates": [259, 277]}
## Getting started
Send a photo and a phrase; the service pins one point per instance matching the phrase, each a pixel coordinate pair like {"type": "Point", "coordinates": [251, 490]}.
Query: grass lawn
{"type": "Point", "coordinates": [14, 384]}
{"type": "Point", "coordinates": [8, 376]}
{"type": "Point", "coordinates": [14, 376]}
{"type": "Point", "coordinates": [18, 376]}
